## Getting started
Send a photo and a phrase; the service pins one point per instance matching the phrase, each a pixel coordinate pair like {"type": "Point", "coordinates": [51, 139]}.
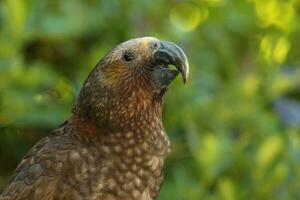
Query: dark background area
{"type": "Point", "coordinates": [234, 127]}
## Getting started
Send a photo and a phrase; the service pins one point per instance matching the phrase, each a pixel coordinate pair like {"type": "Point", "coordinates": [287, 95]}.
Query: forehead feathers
{"type": "Point", "coordinates": [138, 46]}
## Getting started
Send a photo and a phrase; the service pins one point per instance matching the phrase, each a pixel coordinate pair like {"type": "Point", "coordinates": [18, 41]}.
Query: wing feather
{"type": "Point", "coordinates": [38, 174]}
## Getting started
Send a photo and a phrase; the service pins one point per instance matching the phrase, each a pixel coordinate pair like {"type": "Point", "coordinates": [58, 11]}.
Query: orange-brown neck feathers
{"type": "Point", "coordinates": [120, 99]}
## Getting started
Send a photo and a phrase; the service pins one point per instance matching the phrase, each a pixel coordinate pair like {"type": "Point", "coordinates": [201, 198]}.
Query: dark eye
{"type": "Point", "coordinates": [128, 56]}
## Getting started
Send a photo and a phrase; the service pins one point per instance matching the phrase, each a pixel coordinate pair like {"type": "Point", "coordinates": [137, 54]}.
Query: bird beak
{"type": "Point", "coordinates": [170, 54]}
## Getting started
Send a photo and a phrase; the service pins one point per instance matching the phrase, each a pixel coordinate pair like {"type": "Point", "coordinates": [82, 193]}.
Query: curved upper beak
{"type": "Point", "coordinates": [170, 54]}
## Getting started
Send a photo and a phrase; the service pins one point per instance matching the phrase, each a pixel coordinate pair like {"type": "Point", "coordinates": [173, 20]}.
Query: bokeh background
{"type": "Point", "coordinates": [234, 127]}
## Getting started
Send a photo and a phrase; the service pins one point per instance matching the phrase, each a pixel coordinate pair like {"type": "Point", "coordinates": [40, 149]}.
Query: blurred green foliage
{"type": "Point", "coordinates": [229, 139]}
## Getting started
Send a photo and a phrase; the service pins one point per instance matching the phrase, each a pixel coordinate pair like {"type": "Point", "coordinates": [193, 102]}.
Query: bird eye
{"type": "Point", "coordinates": [128, 56]}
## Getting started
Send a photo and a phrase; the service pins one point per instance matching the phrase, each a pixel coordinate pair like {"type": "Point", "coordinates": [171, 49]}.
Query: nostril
{"type": "Point", "coordinates": [154, 45]}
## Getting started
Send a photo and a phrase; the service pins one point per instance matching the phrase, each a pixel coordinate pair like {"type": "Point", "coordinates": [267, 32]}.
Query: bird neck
{"type": "Point", "coordinates": [111, 117]}
{"type": "Point", "coordinates": [107, 111]}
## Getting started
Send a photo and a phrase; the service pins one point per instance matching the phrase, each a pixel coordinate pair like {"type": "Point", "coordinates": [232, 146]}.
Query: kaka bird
{"type": "Point", "coordinates": [113, 145]}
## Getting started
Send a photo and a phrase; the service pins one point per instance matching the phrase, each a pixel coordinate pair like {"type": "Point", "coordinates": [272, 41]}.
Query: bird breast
{"type": "Point", "coordinates": [134, 165]}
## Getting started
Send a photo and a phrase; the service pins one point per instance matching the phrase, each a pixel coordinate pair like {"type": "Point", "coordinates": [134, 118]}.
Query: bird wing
{"type": "Point", "coordinates": [37, 175]}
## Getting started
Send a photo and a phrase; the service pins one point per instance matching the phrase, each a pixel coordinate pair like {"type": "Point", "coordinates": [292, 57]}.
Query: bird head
{"type": "Point", "coordinates": [130, 78]}
{"type": "Point", "coordinates": [143, 64]}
